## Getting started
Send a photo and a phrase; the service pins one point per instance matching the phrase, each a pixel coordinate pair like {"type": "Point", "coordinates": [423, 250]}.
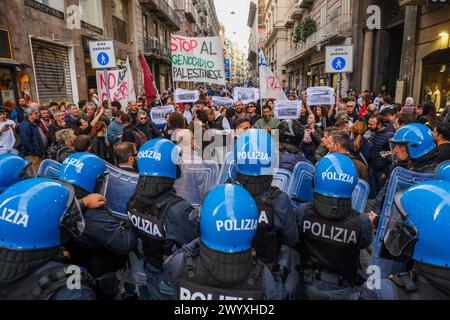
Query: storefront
{"type": "Point", "coordinates": [9, 93]}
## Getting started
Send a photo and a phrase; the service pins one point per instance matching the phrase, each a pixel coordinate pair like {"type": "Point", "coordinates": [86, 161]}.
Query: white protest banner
{"type": "Point", "coordinates": [288, 109]}
{"type": "Point", "coordinates": [320, 96]}
{"type": "Point", "coordinates": [184, 96]}
{"type": "Point", "coordinates": [158, 114]}
{"type": "Point", "coordinates": [246, 95]}
{"type": "Point", "coordinates": [268, 83]}
{"type": "Point", "coordinates": [223, 101]}
{"type": "Point", "coordinates": [197, 59]}
{"type": "Point", "coordinates": [120, 84]}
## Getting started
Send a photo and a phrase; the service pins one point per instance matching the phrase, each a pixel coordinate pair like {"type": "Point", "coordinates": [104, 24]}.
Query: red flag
{"type": "Point", "coordinates": [149, 83]}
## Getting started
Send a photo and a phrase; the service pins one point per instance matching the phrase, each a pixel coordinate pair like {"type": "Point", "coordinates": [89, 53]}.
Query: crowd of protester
{"type": "Point", "coordinates": [359, 125]}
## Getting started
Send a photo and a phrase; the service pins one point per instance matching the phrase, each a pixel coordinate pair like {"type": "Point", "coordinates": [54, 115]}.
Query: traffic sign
{"type": "Point", "coordinates": [103, 55]}
{"type": "Point", "coordinates": [339, 59]}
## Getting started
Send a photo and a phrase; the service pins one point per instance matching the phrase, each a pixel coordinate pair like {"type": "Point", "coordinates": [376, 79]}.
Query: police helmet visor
{"type": "Point", "coordinates": [72, 221]}
{"type": "Point", "coordinates": [401, 234]}
{"type": "Point", "coordinates": [397, 151]}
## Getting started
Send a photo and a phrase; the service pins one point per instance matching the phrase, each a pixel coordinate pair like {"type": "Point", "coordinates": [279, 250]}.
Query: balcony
{"type": "Point", "coordinates": [305, 4]}
{"type": "Point", "coordinates": [154, 47]}
{"type": "Point", "coordinates": [340, 27]}
{"type": "Point", "coordinates": [190, 12]}
{"type": "Point", "coordinates": [411, 2]}
{"type": "Point", "coordinates": [162, 10]}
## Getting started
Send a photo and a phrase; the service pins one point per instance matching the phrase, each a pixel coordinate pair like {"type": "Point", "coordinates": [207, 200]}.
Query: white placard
{"type": "Point", "coordinates": [246, 95]}
{"type": "Point", "coordinates": [288, 109]}
{"type": "Point", "coordinates": [339, 59]}
{"type": "Point", "coordinates": [223, 101]}
{"type": "Point", "coordinates": [320, 96]}
{"type": "Point", "coordinates": [158, 114]}
{"type": "Point", "coordinates": [197, 59]}
{"type": "Point", "coordinates": [184, 96]}
{"type": "Point", "coordinates": [103, 55]}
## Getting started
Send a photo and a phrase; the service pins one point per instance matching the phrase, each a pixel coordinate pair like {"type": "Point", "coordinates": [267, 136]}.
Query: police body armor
{"type": "Point", "coordinates": [267, 242]}
{"type": "Point", "coordinates": [408, 286]}
{"type": "Point", "coordinates": [196, 283]}
{"type": "Point", "coordinates": [149, 226]}
{"type": "Point", "coordinates": [42, 285]}
{"type": "Point", "coordinates": [330, 245]}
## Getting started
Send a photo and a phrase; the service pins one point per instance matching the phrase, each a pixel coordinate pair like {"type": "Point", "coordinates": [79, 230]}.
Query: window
{"type": "Point", "coordinates": [119, 9]}
{"type": "Point", "coordinates": [5, 45]}
{"type": "Point", "coordinates": [119, 20]}
{"type": "Point", "coordinates": [91, 12]}
{"type": "Point", "coordinates": [55, 4]}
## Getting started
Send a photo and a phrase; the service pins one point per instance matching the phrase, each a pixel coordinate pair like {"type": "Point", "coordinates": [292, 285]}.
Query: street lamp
{"type": "Point", "coordinates": [444, 39]}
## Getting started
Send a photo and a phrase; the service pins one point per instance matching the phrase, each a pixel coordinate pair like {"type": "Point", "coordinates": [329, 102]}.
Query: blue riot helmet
{"type": "Point", "coordinates": [255, 153]}
{"type": "Point", "coordinates": [84, 170]}
{"type": "Point", "coordinates": [335, 176]}
{"type": "Point", "coordinates": [423, 230]}
{"type": "Point", "coordinates": [12, 170]}
{"type": "Point", "coordinates": [33, 213]}
{"type": "Point", "coordinates": [228, 219]}
{"type": "Point", "coordinates": [417, 137]}
{"type": "Point", "coordinates": [443, 171]}
{"type": "Point", "coordinates": [159, 158]}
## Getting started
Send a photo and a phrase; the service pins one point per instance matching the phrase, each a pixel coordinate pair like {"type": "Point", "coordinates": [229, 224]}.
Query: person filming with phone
{"type": "Point", "coordinates": [7, 127]}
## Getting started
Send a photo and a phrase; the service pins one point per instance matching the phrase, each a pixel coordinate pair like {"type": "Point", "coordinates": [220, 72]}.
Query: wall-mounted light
{"type": "Point", "coordinates": [444, 39]}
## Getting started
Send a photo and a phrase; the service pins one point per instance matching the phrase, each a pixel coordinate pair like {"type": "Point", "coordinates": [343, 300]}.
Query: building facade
{"type": "Point", "coordinates": [276, 36]}
{"type": "Point", "coordinates": [252, 58]}
{"type": "Point", "coordinates": [305, 60]}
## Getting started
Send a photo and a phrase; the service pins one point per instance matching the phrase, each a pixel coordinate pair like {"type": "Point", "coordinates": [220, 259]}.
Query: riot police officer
{"type": "Point", "coordinates": [221, 265]}
{"type": "Point", "coordinates": [34, 215]}
{"type": "Point", "coordinates": [413, 147]}
{"type": "Point", "coordinates": [12, 169]}
{"type": "Point", "coordinates": [104, 246]}
{"type": "Point", "coordinates": [256, 158]}
{"type": "Point", "coordinates": [162, 220]}
{"type": "Point", "coordinates": [331, 232]}
{"type": "Point", "coordinates": [420, 233]}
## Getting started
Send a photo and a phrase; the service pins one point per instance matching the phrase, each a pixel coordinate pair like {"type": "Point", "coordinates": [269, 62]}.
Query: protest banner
{"type": "Point", "coordinates": [223, 101]}
{"type": "Point", "coordinates": [246, 95]}
{"type": "Point", "coordinates": [287, 109]}
{"type": "Point", "coordinates": [197, 59]}
{"type": "Point", "coordinates": [320, 96]}
{"type": "Point", "coordinates": [269, 86]}
{"type": "Point", "coordinates": [184, 96]}
{"type": "Point", "coordinates": [158, 114]}
{"type": "Point", "coordinates": [120, 84]}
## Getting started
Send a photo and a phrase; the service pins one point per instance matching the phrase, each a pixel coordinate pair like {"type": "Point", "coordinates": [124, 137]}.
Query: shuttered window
{"type": "Point", "coordinates": [52, 72]}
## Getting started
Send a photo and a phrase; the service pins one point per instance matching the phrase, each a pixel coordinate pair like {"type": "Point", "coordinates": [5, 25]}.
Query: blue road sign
{"type": "Point", "coordinates": [103, 59]}
{"type": "Point", "coordinates": [339, 63]}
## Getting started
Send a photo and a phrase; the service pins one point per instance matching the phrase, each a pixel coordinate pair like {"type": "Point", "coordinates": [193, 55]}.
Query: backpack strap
{"type": "Point", "coordinates": [189, 264]}
{"type": "Point", "coordinates": [255, 274]}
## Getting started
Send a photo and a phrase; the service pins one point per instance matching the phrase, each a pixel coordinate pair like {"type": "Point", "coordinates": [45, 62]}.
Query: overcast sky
{"type": "Point", "coordinates": [236, 22]}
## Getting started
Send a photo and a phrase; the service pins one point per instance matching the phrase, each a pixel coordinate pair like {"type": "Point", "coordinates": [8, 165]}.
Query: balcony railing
{"type": "Point", "coordinates": [154, 46]}
{"type": "Point", "coordinates": [162, 10]}
{"type": "Point", "coordinates": [190, 12]}
{"type": "Point", "coordinates": [341, 26]}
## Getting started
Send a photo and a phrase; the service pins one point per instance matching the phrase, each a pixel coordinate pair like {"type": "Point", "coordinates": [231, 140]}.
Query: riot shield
{"type": "Point", "coordinates": [120, 185]}
{"type": "Point", "coordinates": [400, 179]}
{"type": "Point", "coordinates": [9, 151]}
{"type": "Point", "coordinates": [282, 179]}
{"type": "Point", "coordinates": [50, 168]}
{"type": "Point", "coordinates": [197, 179]}
{"type": "Point", "coordinates": [360, 195]}
{"type": "Point", "coordinates": [301, 189]}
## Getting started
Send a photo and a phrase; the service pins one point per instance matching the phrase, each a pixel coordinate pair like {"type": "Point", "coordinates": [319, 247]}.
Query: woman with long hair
{"type": "Point", "coordinates": [174, 122]}
{"type": "Point", "coordinates": [99, 145]}
{"type": "Point", "coordinates": [361, 147]}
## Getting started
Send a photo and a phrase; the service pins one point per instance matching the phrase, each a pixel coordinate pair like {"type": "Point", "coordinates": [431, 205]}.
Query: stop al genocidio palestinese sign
{"type": "Point", "coordinates": [197, 59]}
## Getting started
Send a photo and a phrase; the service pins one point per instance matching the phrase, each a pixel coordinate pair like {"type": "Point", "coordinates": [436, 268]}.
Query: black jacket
{"type": "Point", "coordinates": [444, 152]}
{"type": "Point", "coordinates": [150, 130]}
{"type": "Point", "coordinates": [380, 142]}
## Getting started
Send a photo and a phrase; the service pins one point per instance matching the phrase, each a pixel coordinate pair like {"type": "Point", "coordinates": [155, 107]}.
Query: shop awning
{"type": "Point", "coordinates": [9, 62]}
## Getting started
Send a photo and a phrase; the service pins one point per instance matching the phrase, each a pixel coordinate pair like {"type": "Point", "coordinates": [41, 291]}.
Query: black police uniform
{"type": "Point", "coordinates": [330, 244]}
{"type": "Point", "coordinates": [200, 273]}
{"type": "Point", "coordinates": [37, 275]}
{"type": "Point", "coordinates": [162, 223]}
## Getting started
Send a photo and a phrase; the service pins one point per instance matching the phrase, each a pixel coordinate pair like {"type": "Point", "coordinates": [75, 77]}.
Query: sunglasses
{"type": "Point", "coordinates": [143, 118]}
